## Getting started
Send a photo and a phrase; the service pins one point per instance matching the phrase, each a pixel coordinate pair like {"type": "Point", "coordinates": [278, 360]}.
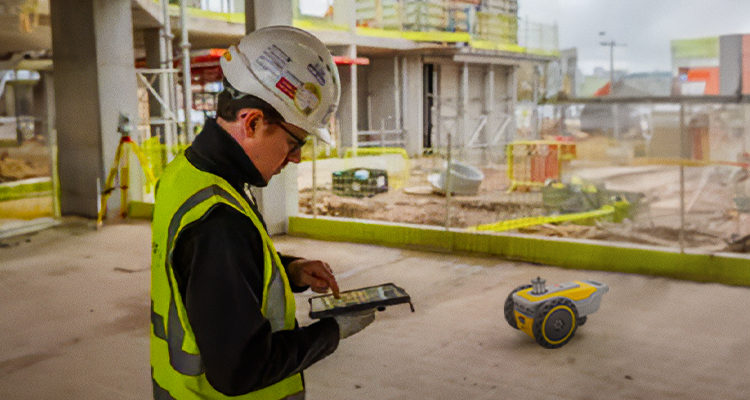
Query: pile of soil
{"type": "Point", "coordinates": [423, 209]}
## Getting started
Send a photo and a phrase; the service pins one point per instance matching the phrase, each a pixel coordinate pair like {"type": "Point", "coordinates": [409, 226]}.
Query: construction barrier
{"type": "Point", "coordinates": [614, 212]}
{"type": "Point", "coordinates": [532, 163]}
{"type": "Point", "coordinates": [726, 268]}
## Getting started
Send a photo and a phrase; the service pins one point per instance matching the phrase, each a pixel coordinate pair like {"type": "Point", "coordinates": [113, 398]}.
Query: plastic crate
{"type": "Point", "coordinates": [360, 182]}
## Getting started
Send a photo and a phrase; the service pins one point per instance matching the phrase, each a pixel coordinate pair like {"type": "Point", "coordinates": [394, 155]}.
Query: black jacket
{"type": "Point", "coordinates": [218, 264]}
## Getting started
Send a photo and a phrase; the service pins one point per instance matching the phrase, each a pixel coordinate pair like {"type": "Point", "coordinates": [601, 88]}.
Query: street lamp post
{"type": "Point", "coordinates": [615, 107]}
{"type": "Point", "coordinates": [611, 45]}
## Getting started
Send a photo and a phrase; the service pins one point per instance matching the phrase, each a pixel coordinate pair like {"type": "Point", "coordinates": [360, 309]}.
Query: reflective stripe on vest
{"type": "Point", "coordinates": [185, 363]}
{"type": "Point", "coordinates": [172, 337]}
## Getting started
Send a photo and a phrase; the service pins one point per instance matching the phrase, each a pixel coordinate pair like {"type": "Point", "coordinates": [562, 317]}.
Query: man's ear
{"type": "Point", "coordinates": [250, 119]}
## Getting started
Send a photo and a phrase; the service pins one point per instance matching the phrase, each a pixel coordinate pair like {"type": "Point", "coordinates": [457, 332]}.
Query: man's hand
{"type": "Point", "coordinates": [313, 273]}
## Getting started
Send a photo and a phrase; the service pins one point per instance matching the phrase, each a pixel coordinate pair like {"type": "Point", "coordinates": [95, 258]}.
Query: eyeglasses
{"type": "Point", "coordinates": [300, 142]}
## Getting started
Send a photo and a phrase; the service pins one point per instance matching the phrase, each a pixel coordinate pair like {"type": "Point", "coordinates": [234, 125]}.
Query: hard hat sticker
{"type": "Point", "coordinates": [307, 98]}
{"type": "Point", "coordinates": [288, 84]}
{"type": "Point", "coordinates": [273, 60]}
{"type": "Point", "coordinates": [318, 73]}
{"type": "Point", "coordinates": [286, 87]}
{"type": "Point", "coordinates": [270, 66]}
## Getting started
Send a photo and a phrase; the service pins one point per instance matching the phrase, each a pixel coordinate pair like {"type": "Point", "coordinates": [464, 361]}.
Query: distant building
{"type": "Point", "coordinates": [712, 65]}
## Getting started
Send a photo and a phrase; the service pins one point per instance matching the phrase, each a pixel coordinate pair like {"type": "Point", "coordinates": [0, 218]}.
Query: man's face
{"type": "Point", "coordinates": [271, 145]}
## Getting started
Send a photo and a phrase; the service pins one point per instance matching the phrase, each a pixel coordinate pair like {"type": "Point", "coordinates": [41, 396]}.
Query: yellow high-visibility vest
{"type": "Point", "coordinates": [183, 196]}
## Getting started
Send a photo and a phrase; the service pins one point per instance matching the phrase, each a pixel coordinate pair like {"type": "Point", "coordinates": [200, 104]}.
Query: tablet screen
{"type": "Point", "coordinates": [357, 300]}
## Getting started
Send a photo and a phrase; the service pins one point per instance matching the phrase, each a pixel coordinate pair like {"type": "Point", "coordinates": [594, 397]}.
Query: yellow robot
{"type": "Point", "coordinates": [551, 314]}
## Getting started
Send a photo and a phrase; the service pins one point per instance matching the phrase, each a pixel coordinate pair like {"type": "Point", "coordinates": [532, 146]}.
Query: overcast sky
{"type": "Point", "coordinates": [644, 26]}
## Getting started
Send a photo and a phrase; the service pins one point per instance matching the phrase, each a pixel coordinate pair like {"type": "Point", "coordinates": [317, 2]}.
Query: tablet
{"type": "Point", "coordinates": [373, 297]}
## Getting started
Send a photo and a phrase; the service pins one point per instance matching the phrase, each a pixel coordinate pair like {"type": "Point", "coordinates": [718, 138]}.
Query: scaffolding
{"type": "Point", "coordinates": [162, 84]}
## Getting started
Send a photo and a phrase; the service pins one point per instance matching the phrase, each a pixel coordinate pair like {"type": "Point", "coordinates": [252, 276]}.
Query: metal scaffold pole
{"type": "Point", "coordinates": [170, 101]}
{"type": "Point", "coordinates": [187, 87]}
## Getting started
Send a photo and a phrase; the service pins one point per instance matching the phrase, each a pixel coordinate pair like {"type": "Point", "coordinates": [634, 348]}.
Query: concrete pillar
{"type": "Point", "coordinates": [730, 65]}
{"type": "Point", "coordinates": [489, 104]}
{"type": "Point", "coordinates": [512, 81]}
{"type": "Point", "coordinates": [382, 87]}
{"type": "Point", "coordinates": [488, 110]}
{"type": "Point", "coordinates": [280, 199]}
{"type": "Point", "coordinates": [352, 98]}
{"type": "Point", "coordinates": [94, 82]}
{"type": "Point", "coordinates": [348, 111]}
{"type": "Point", "coordinates": [463, 114]}
{"type": "Point", "coordinates": [268, 13]}
{"type": "Point", "coordinates": [50, 134]}
{"type": "Point", "coordinates": [413, 105]}
{"type": "Point", "coordinates": [43, 96]}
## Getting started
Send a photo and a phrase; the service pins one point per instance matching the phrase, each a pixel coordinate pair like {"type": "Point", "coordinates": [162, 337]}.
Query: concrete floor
{"type": "Point", "coordinates": [74, 307]}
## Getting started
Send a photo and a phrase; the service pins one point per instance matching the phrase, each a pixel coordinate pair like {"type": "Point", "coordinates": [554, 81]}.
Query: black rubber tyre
{"type": "Point", "coordinates": [555, 323]}
{"type": "Point", "coordinates": [582, 320]}
{"type": "Point", "coordinates": [509, 308]}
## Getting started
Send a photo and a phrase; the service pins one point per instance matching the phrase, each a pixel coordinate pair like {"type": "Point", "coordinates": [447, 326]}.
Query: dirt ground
{"type": "Point", "coordinates": [30, 160]}
{"type": "Point", "coordinates": [712, 221]}
{"type": "Point", "coordinates": [76, 319]}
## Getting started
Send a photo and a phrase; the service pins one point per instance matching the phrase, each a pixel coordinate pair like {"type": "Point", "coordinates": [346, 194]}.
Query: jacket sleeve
{"type": "Point", "coordinates": [285, 261]}
{"type": "Point", "coordinates": [220, 263]}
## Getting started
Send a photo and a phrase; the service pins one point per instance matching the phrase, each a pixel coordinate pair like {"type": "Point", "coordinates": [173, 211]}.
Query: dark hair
{"type": "Point", "coordinates": [230, 101]}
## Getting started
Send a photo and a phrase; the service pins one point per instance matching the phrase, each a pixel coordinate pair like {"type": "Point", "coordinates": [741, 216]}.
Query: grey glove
{"type": "Point", "coordinates": [350, 324]}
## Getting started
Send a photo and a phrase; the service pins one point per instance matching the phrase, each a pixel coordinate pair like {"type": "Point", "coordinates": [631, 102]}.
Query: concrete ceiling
{"type": "Point", "coordinates": [20, 33]}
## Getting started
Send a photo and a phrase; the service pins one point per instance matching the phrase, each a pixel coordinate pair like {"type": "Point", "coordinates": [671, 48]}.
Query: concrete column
{"type": "Point", "coordinates": [397, 94]}
{"type": "Point", "coordinates": [730, 65]}
{"type": "Point", "coordinates": [94, 82]}
{"type": "Point", "coordinates": [280, 199]}
{"type": "Point", "coordinates": [463, 114]}
{"type": "Point", "coordinates": [348, 108]}
{"type": "Point", "coordinates": [413, 105]}
{"type": "Point", "coordinates": [489, 104]}
{"type": "Point", "coordinates": [353, 127]}
{"type": "Point", "coordinates": [512, 91]}
{"type": "Point", "coordinates": [261, 13]}
{"type": "Point", "coordinates": [50, 134]}
{"type": "Point", "coordinates": [44, 96]}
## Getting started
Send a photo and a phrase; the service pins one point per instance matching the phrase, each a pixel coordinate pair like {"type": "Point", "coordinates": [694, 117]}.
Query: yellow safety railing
{"type": "Point", "coordinates": [376, 151]}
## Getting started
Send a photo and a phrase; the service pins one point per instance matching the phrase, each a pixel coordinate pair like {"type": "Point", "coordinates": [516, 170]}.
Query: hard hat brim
{"type": "Point", "coordinates": [324, 135]}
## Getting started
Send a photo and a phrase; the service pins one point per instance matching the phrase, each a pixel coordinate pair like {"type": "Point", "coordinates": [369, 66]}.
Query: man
{"type": "Point", "coordinates": [222, 305]}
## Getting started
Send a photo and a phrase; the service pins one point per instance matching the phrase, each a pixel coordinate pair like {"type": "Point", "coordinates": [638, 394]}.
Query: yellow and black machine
{"type": "Point", "coordinates": [551, 314]}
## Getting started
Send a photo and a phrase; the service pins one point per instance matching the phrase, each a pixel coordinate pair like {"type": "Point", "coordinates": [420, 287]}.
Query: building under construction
{"type": "Point", "coordinates": [463, 166]}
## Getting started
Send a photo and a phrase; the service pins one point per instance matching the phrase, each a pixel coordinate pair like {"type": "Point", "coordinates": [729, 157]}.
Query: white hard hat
{"type": "Point", "coordinates": [292, 71]}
